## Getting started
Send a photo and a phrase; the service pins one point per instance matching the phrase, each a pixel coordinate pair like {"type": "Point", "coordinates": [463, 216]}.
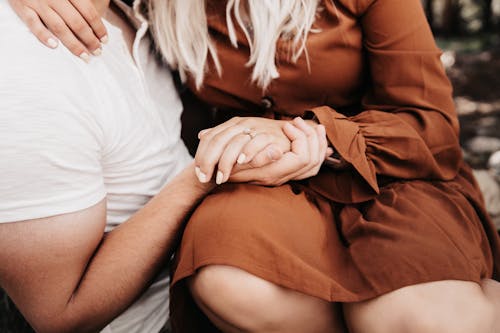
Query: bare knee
{"type": "Point", "coordinates": [234, 300]}
{"type": "Point", "coordinates": [213, 289]}
{"type": "Point", "coordinates": [429, 308]}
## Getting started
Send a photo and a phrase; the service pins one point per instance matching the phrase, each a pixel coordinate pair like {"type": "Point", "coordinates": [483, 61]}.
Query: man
{"type": "Point", "coordinates": [82, 148]}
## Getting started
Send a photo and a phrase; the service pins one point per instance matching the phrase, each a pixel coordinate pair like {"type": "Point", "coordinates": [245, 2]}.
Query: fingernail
{"type": "Point", "coordinates": [219, 178]}
{"type": "Point", "coordinates": [52, 43]}
{"type": "Point", "coordinates": [97, 52]}
{"type": "Point", "coordinates": [85, 57]}
{"type": "Point", "coordinates": [104, 39]}
{"type": "Point", "coordinates": [241, 159]}
{"type": "Point", "coordinates": [201, 176]}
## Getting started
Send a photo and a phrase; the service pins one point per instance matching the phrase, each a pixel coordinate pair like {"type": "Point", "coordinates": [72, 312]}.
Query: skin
{"type": "Point", "coordinates": [237, 301]}
{"type": "Point", "coordinates": [72, 274]}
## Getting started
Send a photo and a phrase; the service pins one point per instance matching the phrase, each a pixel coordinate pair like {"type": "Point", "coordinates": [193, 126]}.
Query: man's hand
{"type": "Point", "coordinates": [76, 23]}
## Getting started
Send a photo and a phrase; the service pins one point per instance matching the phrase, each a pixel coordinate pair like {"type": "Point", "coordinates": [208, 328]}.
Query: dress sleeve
{"type": "Point", "coordinates": [407, 128]}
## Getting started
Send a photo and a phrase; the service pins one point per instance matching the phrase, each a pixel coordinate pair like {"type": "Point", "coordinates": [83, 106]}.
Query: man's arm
{"type": "Point", "coordinates": [65, 277]}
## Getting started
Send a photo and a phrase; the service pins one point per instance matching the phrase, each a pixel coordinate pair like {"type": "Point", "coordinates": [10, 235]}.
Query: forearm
{"type": "Point", "coordinates": [118, 273]}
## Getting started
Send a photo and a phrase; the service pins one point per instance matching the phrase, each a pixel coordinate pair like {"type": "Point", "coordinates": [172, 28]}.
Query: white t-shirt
{"type": "Point", "coordinates": [73, 133]}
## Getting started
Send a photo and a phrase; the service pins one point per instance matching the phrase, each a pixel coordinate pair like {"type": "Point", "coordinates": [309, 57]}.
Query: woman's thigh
{"type": "Point", "coordinates": [442, 306]}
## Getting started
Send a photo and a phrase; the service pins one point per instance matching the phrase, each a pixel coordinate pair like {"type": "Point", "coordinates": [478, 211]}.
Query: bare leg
{"type": "Point", "coordinates": [492, 291]}
{"type": "Point", "coordinates": [236, 301]}
{"type": "Point", "coordinates": [436, 307]}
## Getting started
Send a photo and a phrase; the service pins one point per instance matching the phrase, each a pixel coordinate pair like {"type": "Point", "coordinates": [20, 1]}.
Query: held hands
{"type": "Point", "coordinates": [76, 23]}
{"type": "Point", "coordinates": [261, 151]}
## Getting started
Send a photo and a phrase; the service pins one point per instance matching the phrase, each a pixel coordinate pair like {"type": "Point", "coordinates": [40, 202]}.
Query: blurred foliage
{"type": "Point", "coordinates": [463, 17]}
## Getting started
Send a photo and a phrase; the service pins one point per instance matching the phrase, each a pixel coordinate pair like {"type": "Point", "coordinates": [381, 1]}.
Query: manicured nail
{"type": "Point", "coordinates": [97, 52]}
{"type": "Point", "coordinates": [241, 159]}
{"type": "Point", "coordinates": [105, 39]}
{"type": "Point", "coordinates": [201, 176]}
{"type": "Point", "coordinates": [52, 43]}
{"type": "Point", "coordinates": [85, 57]}
{"type": "Point", "coordinates": [219, 178]}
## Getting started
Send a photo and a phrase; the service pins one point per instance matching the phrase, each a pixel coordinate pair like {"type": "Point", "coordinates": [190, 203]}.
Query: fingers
{"type": "Point", "coordinates": [279, 172]}
{"type": "Point", "coordinates": [54, 22]}
{"type": "Point", "coordinates": [34, 23]}
{"type": "Point", "coordinates": [309, 148]}
{"type": "Point", "coordinates": [92, 17]}
{"type": "Point", "coordinates": [210, 150]}
{"type": "Point", "coordinates": [319, 149]}
{"type": "Point", "coordinates": [229, 157]}
{"type": "Point", "coordinates": [254, 146]}
{"type": "Point", "coordinates": [219, 128]}
{"type": "Point", "coordinates": [269, 154]}
{"type": "Point", "coordinates": [75, 23]}
{"type": "Point", "coordinates": [74, 32]}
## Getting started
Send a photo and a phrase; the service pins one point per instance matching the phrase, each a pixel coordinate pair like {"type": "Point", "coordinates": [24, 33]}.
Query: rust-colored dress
{"type": "Point", "coordinates": [408, 211]}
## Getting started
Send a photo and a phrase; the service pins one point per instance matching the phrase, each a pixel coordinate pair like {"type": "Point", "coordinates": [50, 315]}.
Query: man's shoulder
{"type": "Point", "coordinates": [25, 60]}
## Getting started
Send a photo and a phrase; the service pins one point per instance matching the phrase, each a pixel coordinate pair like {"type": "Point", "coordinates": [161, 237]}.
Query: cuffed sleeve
{"type": "Point", "coordinates": [407, 127]}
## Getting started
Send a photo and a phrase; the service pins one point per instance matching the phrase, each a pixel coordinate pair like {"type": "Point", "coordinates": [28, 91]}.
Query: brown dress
{"type": "Point", "coordinates": [408, 211]}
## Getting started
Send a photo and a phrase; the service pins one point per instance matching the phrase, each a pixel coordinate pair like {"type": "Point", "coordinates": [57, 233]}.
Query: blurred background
{"type": "Point", "coordinates": [468, 31]}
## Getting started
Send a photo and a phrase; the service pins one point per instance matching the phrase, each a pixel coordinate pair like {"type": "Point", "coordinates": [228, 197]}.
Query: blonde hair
{"type": "Point", "coordinates": [181, 32]}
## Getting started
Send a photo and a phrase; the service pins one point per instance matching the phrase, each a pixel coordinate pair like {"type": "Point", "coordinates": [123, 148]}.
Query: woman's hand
{"type": "Point", "coordinates": [250, 142]}
{"type": "Point", "coordinates": [76, 23]}
{"type": "Point", "coordinates": [309, 149]}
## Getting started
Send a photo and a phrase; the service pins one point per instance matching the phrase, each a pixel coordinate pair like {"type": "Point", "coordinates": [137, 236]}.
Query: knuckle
{"type": "Point", "coordinates": [92, 17]}
{"type": "Point", "coordinates": [80, 28]}
{"type": "Point", "coordinates": [59, 29]}
{"type": "Point", "coordinates": [31, 19]}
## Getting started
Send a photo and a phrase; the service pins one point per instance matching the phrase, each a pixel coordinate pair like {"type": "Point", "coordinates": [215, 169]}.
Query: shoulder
{"type": "Point", "coordinates": [27, 64]}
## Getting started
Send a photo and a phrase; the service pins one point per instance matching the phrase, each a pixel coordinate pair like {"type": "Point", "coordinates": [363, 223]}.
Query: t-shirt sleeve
{"type": "Point", "coordinates": [50, 151]}
{"type": "Point", "coordinates": [407, 127]}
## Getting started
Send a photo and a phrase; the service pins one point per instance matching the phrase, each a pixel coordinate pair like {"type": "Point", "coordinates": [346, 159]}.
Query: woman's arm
{"type": "Point", "coordinates": [66, 277]}
{"type": "Point", "coordinates": [407, 128]}
{"type": "Point", "coordinates": [262, 151]}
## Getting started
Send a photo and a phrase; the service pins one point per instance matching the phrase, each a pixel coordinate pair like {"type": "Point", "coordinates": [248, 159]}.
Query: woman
{"type": "Point", "coordinates": [394, 229]}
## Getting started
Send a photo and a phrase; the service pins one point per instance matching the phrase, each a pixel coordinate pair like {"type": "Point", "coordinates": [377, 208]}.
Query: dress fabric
{"type": "Point", "coordinates": [407, 211]}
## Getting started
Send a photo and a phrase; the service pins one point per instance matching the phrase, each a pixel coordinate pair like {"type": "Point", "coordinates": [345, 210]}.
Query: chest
{"type": "Point", "coordinates": [332, 72]}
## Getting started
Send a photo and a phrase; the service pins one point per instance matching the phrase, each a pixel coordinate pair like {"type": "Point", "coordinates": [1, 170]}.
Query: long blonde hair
{"type": "Point", "coordinates": [181, 32]}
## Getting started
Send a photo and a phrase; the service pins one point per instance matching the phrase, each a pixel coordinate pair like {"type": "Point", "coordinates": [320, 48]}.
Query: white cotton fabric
{"type": "Point", "coordinates": [72, 134]}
